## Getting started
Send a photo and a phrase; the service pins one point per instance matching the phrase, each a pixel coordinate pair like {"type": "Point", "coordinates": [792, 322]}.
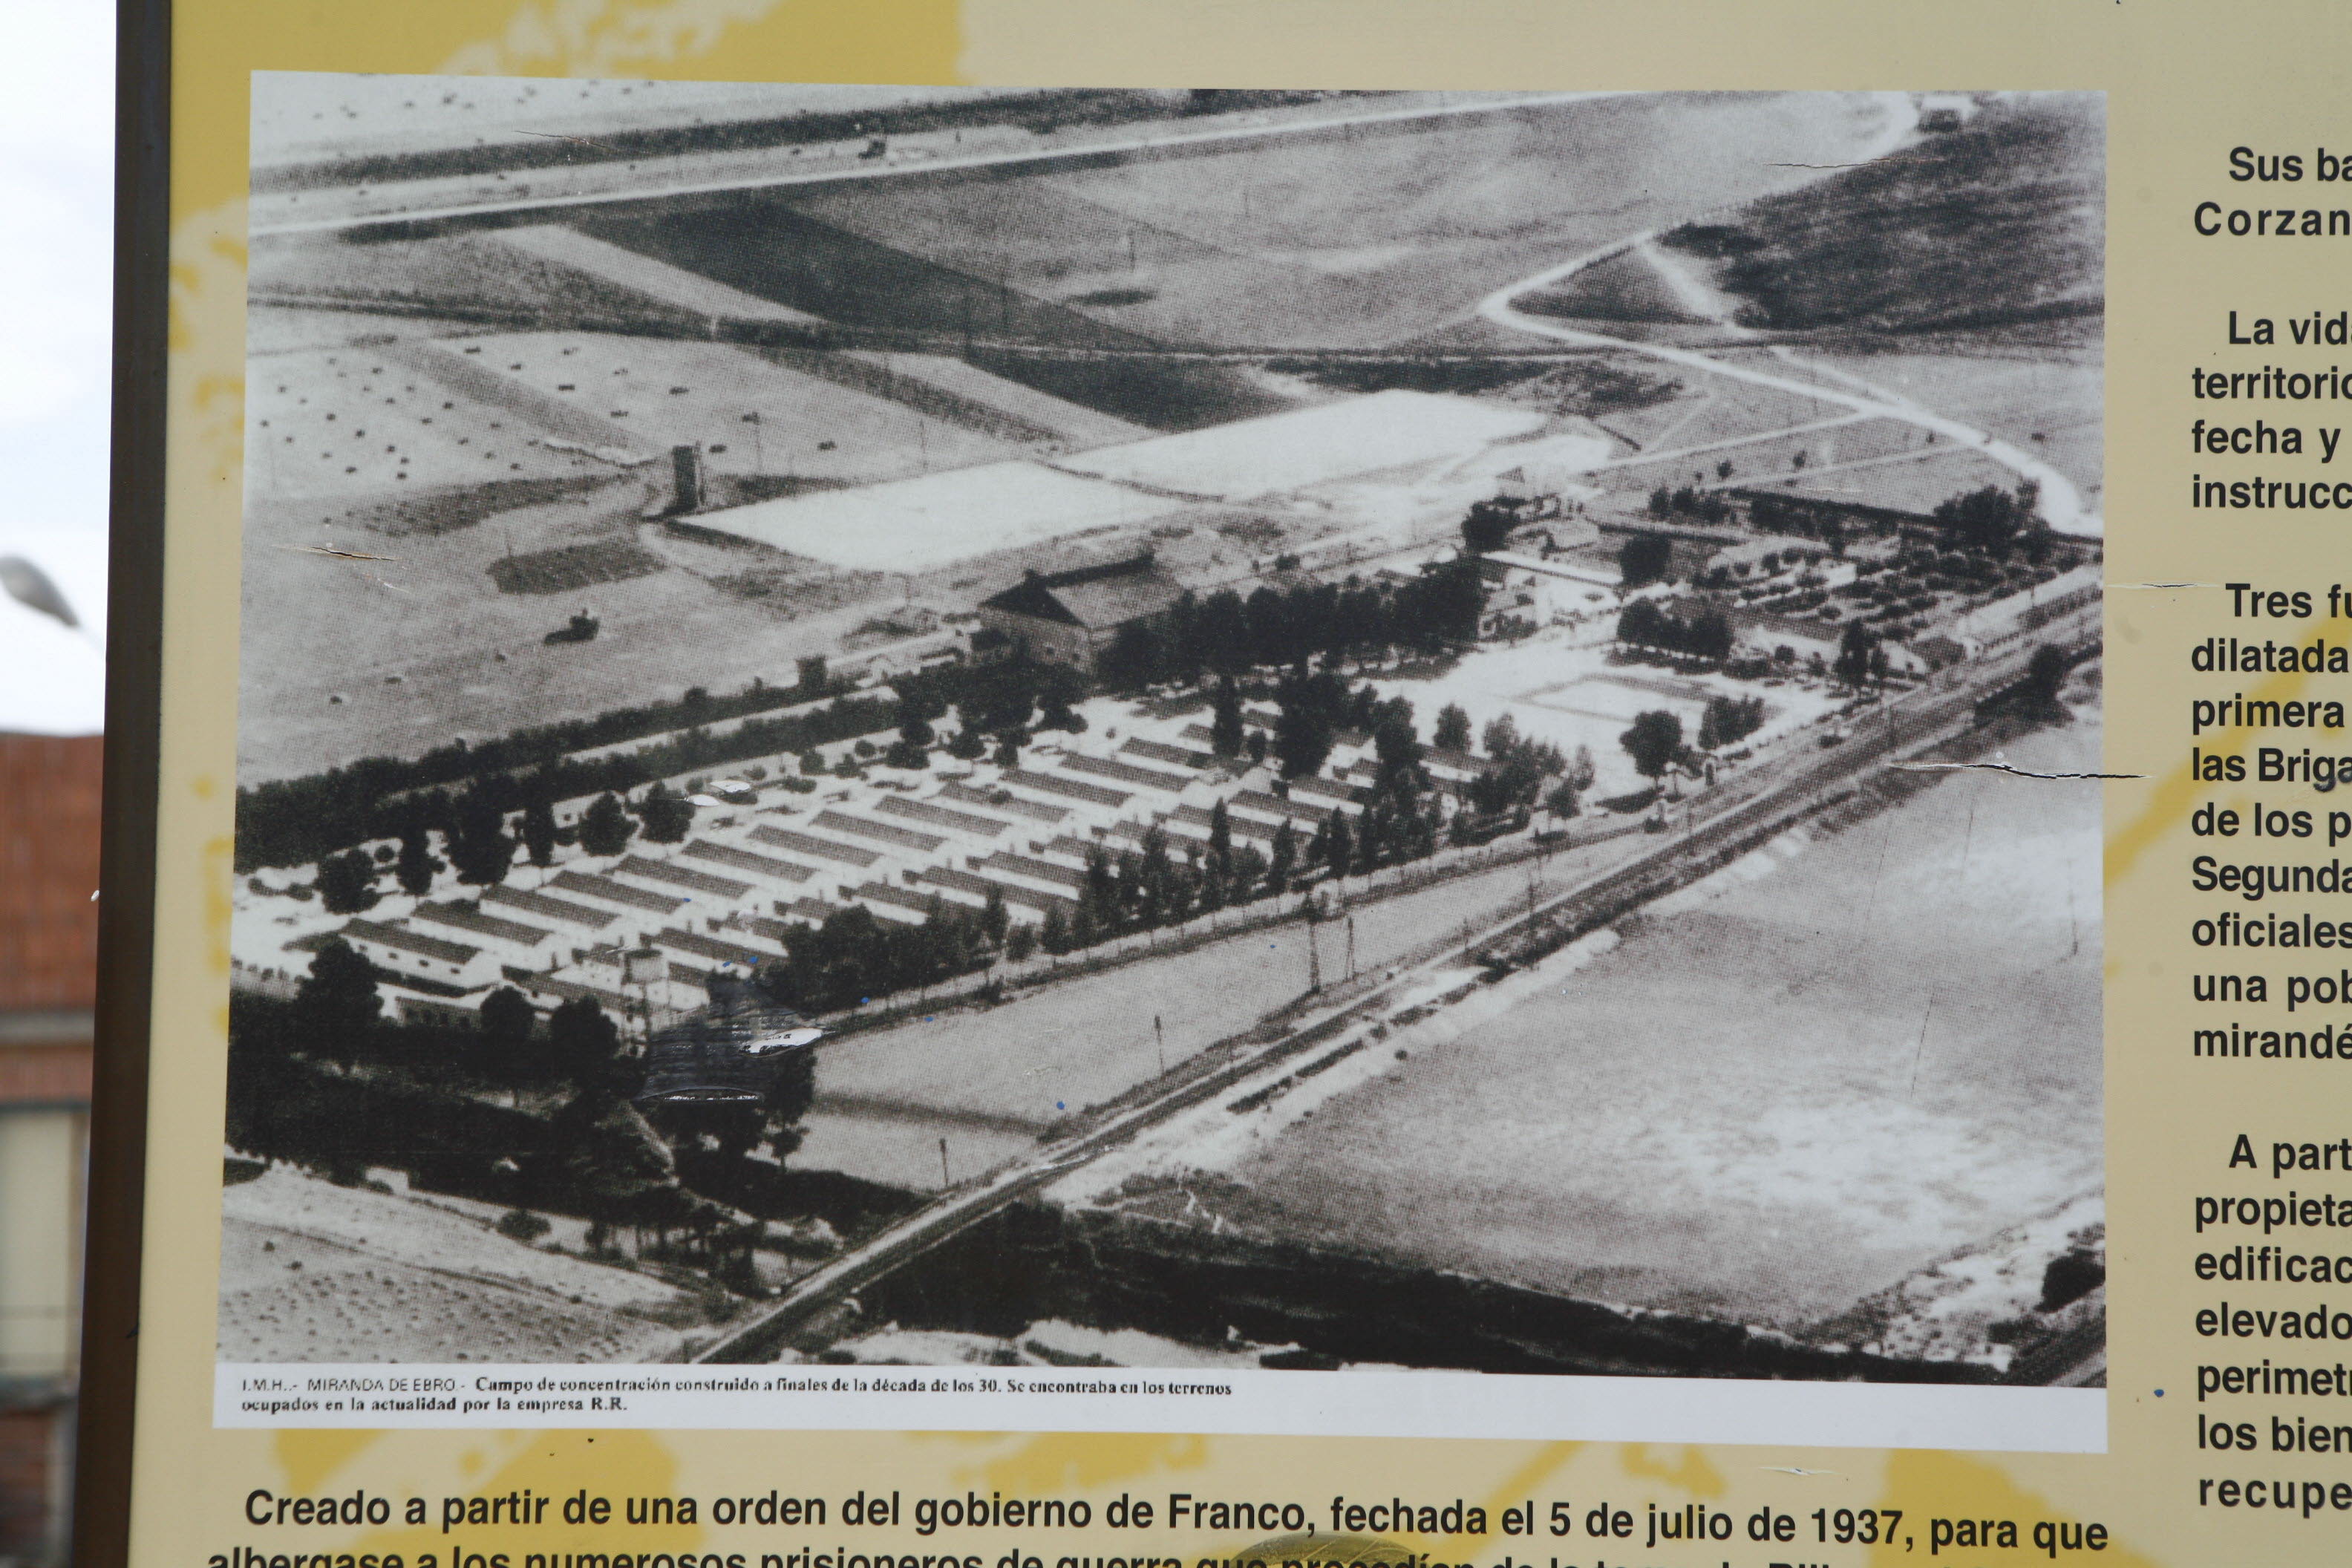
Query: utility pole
{"type": "Point", "coordinates": [1161, 1035]}
{"type": "Point", "coordinates": [944, 1181]}
{"type": "Point", "coordinates": [1314, 953]}
{"type": "Point", "coordinates": [1351, 947]}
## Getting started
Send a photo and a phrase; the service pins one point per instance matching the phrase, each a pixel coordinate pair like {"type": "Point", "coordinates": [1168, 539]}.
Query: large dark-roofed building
{"type": "Point", "coordinates": [1069, 617]}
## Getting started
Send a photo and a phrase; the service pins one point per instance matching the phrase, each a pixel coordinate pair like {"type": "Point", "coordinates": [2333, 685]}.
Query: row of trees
{"type": "Point", "coordinates": [1225, 633]}
{"type": "Point", "coordinates": [1992, 521]}
{"type": "Point", "coordinates": [1727, 721]}
{"type": "Point", "coordinates": [292, 822]}
{"type": "Point", "coordinates": [1704, 634]}
{"type": "Point", "coordinates": [480, 836]}
{"type": "Point", "coordinates": [1704, 506]}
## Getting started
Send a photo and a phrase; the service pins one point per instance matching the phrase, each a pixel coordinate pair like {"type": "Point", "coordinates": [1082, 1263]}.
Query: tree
{"type": "Point", "coordinates": [1654, 741]}
{"type": "Point", "coordinates": [1501, 736]}
{"type": "Point", "coordinates": [1283, 862]}
{"type": "Point", "coordinates": [1059, 689]}
{"type": "Point", "coordinates": [1303, 734]}
{"type": "Point", "coordinates": [1338, 846]}
{"type": "Point", "coordinates": [1986, 521]}
{"type": "Point", "coordinates": [1487, 527]}
{"type": "Point", "coordinates": [1396, 748]}
{"type": "Point", "coordinates": [1021, 943]}
{"type": "Point", "coordinates": [967, 744]}
{"type": "Point", "coordinates": [994, 921]}
{"type": "Point", "coordinates": [1856, 643]}
{"type": "Point", "coordinates": [1225, 721]}
{"type": "Point", "coordinates": [346, 883]}
{"type": "Point", "coordinates": [417, 865]}
{"type": "Point", "coordinates": [508, 1018]}
{"type": "Point", "coordinates": [1136, 656]}
{"type": "Point", "coordinates": [539, 832]}
{"type": "Point", "coordinates": [479, 847]}
{"type": "Point", "coordinates": [790, 1091]}
{"type": "Point", "coordinates": [1220, 837]}
{"type": "Point", "coordinates": [1644, 558]}
{"type": "Point", "coordinates": [1452, 733]}
{"type": "Point", "coordinates": [604, 827]}
{"type": "Point", "coordinates": [665, 815]}
{"type": "Point", "coordinates": [612, 1159]}
{"type": "Point", "coordinates": [336, 1008]}
{"type": "Point", "coordinates": [582, 1040]}
{"type": "Point", "coordinates": [1053, 934]}
{"type": "Point", "coordinates": [1008, 749]}
{"type": "Point", "coordinates": [2045, 677]}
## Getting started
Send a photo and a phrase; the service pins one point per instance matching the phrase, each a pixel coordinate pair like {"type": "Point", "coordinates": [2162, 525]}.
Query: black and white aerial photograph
{"type": "Point", "coordinates": [1210, 730]}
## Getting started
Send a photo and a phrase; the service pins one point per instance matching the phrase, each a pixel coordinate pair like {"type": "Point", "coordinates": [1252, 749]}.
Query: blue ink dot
{"type": "Point", "coordinates": [1059, 1106]}
{"type": "Point", "coordinates": [2159, 1394]}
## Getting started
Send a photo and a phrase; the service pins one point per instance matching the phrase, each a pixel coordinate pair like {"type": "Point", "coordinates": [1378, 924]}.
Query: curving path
{"type": "Point", "coordinates": [2062, 502]}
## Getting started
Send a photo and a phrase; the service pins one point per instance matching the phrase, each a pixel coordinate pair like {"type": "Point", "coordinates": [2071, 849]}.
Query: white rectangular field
{"type": "Point", "coordinates": [914, 525]}
{"type": "Point", "coordinates": [1289, 451]}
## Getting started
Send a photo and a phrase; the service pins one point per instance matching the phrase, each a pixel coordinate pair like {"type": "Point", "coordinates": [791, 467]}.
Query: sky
{"type": "Point", "coordinates": [56, 187]}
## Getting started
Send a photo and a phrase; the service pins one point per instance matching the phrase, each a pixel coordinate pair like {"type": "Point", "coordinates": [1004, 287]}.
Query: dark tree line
{"type": "Point", "coordinates": [1992, 521]}
{"type": "Point", "coordinates": [856, 956]}
{"type": "Point", "coordinates": [1000, 697]}
{"type": "Point", "coordinates": [1727, 721]}
{"type": "Point", "coordinates": [1705, 634]}
{"type": "Point", "coordinates": [1705, 506]}
{"type": "Point", "coordinates": [1644, 558]}
{"type": "Point", "coordinates": [292, 821]}
{"type": "Point", "coordinates": [1273, 628]}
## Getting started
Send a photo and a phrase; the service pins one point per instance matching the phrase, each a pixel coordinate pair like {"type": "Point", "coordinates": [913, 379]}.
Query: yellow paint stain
{"type": "Point", "coordinates": [1689, 1472]}
{"type": "Point", "coordinates": [2175, 796]}
{"type": "Point", "coordinates": [220, 876]}
{"type": "Point", "coordinates": [309, 1458]}
{"type": "Point", "coordinates": [1061, 1461]}
{"type": "Point", "coordinates": [1926, 1483]}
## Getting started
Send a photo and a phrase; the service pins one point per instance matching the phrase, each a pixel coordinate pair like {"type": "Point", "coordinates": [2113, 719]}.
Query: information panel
{"type": "Point", "coordinates": [919, 800]}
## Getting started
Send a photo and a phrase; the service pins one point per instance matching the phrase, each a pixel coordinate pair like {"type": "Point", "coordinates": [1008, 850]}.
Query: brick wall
{"type": "Point", "coordinates": [48, 980]}
{"type": "Point", "coordinates": [49, 869]}
{"type": "Point", "coordinates": [29, 1483]}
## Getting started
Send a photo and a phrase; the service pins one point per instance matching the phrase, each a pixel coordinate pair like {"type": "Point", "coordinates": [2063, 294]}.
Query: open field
{"type": "Point", "coordinates": [1785, 1089]}
{"type": "Point", "coordinates": [455, 274]}
{"type": "Point", "coordinates": [990, 1081]}
{"type": "Point", "coordinates": [1367, 240]}
{"type": "Point", "coordinates": [422, 645]}
{"type": "Point", "coordinates": [2048, 403]}
{"type": "Point", "coordinates": [1918, 483]}
{"type": "Point", "coordinates": [666, 392]}
{"type": "Point", "coordinates": [2001, 221]}
{"type": "Point", "coordinates": [344, 421]}
{"type": "Point", "coordinates": [921, 524]}
{"type": "Point", "coordinates": [310, 1271]}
